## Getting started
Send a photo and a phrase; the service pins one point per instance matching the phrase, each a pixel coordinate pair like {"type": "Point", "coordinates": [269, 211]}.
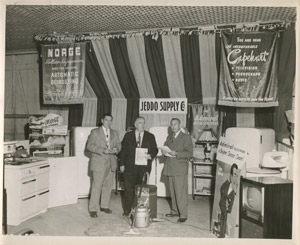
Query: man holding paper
{"type": "Point", "coordinates": [178, 149]}
{"type": "Point", "coordinates": [138, 150]}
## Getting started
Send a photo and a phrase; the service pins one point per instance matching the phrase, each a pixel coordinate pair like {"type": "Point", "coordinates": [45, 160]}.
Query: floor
{"type": "Point", "coordinates": [74, 220]}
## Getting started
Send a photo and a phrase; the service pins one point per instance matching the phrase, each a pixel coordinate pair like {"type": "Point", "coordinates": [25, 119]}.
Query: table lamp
{"type": "Point", "coordinates": [208, 138]}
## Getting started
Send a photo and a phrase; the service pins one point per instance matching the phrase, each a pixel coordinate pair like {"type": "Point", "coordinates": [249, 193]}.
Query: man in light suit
{"type": "Point", "coordinates": [104, 144]}
{"type": "Point", "coordinates": [133, 174]}
{"type": "Point", "coordinates": [176, 169]}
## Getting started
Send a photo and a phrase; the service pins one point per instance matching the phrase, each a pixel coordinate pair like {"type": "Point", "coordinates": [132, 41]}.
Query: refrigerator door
{"type": "Point", "coordinates": [63, 182]}
{"type": "Point", "coordinates": [79, 136]}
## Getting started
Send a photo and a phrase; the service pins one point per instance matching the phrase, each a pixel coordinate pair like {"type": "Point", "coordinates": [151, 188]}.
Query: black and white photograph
{"type": "Point", "coordinates": [149, 121]}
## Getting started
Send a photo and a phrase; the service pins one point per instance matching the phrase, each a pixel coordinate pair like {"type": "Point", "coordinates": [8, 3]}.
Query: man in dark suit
{"type": "Point", "coordinates": [133, 173]}
{"type": "Point", "coordinates": [228, 191]}
{"type": "Point", "coordinates": [104, 144]}
{"type": "Point", "coordinates": [176, 169]}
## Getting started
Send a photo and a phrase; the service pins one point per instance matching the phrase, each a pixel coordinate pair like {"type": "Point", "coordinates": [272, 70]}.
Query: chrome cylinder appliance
{"type": "Point", "coordinates": [142, 219]}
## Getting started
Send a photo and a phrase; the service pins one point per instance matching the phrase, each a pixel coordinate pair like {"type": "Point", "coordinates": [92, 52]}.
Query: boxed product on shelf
{"type": "Point", "coordinates": [204, 186]}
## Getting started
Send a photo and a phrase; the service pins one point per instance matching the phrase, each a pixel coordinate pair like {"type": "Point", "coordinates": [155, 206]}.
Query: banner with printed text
{"type": "Point", "coordinates": [63, 73]}
{"type": "Point", "coordinates": [248, 69]}
{"type": "Point", "coordinates": [163, 106]}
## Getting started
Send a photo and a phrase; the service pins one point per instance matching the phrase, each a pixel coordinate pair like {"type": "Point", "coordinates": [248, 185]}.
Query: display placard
{"type": "Point", "coordinates": [163, 106]}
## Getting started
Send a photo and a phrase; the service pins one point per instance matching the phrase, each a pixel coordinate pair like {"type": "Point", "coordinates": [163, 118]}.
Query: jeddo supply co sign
{"type": "Point", "coordinates": [163, 106]}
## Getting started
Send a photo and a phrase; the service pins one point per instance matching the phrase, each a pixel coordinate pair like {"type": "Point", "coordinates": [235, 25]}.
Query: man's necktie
{"type": "Point", "coordinates": [107, 139]}
{"type": "Point", "coordinates": [139, 141]}
{"type": "Point", "coordinates": [173, 138]}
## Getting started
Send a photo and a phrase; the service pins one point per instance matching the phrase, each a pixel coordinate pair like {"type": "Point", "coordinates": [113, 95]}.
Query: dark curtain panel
{"type": "Point", "coordinates": [156, 65]}
{"type": "Point", "coordinates": [132, 112]}
{"type": "Point", "coordinates": [218, 53]}
{"type": "Point", "coordinates": [229, 117]}
{"type": "Point", "coordinates": [191, 72]}
{"type": "Point", "coordinates": [95, 77]}
{"type": "Point", "coordinates": [119, 53]}
{"type": "Point", "coordinates": [75, 115]}
{"type": "Point", "coordinates": [191, 67]}
{"type": "Point", "coordinates": [264, 117]}
{"type": "Point", "coordinates": [103, 106]}
{"type": "Point", "coordinates": [286, 76]}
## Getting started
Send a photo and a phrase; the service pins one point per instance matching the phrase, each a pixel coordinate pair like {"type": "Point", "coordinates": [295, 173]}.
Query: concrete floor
{"type": "Point", "coordinates": [74, 220]}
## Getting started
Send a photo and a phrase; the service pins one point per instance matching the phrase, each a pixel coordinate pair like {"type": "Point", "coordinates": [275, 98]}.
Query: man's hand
{"type": "Point", "coordinates": [148, 156]}
{"type": "Point", "coordinates": [107, 151]}
{"type": "Point", "coordinates": [173, 153]}
{"type": "Point", "coordinates": [163, 152]}
{"type": "Point", "coordinates": [122, 169]}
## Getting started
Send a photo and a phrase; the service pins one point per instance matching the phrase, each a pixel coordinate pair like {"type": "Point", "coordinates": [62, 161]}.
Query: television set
{"type": "Point", "coordinates": [253, 201]}
{"type": "Point", "coordinates": [266, 207]}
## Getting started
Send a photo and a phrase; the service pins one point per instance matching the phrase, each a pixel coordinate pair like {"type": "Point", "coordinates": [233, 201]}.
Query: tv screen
{"type": "Point", "coordinates": [253, 199]}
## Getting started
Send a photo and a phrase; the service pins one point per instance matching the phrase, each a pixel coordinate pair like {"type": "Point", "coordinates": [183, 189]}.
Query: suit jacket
{"type": "Point", "coordinates": [128, 149]}
{"type": "Point", "coordinates": [178, 165]}
{"type": "Point", "coordinates": [225, 197]}
{"type": "Point", "coordinates": [96, 144]}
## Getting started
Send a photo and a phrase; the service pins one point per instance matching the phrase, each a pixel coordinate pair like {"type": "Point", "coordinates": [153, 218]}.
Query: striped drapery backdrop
{"type": "Point", "coordinates": [122, 70]}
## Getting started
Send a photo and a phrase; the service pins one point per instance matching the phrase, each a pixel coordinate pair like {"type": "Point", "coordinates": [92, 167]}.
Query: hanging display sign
{"type": "Point", "coordinates": [163, 106]}
{"type": "Point", "coordinates": [63, 73]}
{"type": "Point", "coordinates": [249, 69]}
{"type": "Point", "coordinates": [229, 153]}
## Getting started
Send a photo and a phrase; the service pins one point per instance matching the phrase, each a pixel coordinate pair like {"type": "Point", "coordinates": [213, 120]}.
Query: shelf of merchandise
{"type": "Point", "coordinates": [209, 173]}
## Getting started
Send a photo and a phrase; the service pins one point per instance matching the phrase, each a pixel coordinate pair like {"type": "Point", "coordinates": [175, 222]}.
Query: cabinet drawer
{"type": "Point", "coordinates": [42, 200]}
{"type": "Point", "coordinates": [28, 206]}
{"type": "Point", "coordinates": [27, 186]}
{"type": "Point", "coordinates": [42, 181]}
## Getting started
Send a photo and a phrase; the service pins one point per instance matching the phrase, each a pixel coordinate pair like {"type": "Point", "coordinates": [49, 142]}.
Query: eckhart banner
{"type": "Point", "coordinates": [63, 73]}
{"type": "Point", "coordinates": [248, 69]}
{"type": "Point", "coordinates": [163, 106]}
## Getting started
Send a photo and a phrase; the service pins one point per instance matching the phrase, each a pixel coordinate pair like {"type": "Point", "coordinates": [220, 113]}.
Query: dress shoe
{"type": "Point", "coordinates": [93, 214]}
{"type": "Point", "coordinates": [172, 215]}
{"type": "Point", "coordinates": [181, 220]}
{"type": "Point", "coordinates": [106, 210]}
{"type": "Point", "coordinates": [127, 218]}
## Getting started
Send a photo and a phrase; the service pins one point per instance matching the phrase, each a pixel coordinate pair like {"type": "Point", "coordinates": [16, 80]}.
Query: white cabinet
{"type": "Point", "coordinates": [27, 189]}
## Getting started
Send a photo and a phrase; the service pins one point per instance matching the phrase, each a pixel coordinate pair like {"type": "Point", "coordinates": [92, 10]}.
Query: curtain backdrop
{"type": "Point", "coordinates": [89, 106]}
{"type": "Point", "coordinates": [95, 77]}
{"type": "Point", "coordinates": [75, 115]}
{"type": "Point", "coordinates": [173, 62]}
{"type": "Point", "coordinates": [156, 66]}
{"type": "Point", "coordinates": [125, 75]}
{"type": "Point", "coordinates": [138, 62]}
{"type": "Point", "coordinates": [103, 55]}
{"type": "Point", "coordinates": [208, 68]}
{"type": "Point", "coordinates": [191, 68]}
{"type": "Point", "coordinates": [287, 61]}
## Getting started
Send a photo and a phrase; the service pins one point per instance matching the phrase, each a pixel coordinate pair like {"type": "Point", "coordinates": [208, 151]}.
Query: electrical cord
{"type": "Point", "coordinates": [196, 227]}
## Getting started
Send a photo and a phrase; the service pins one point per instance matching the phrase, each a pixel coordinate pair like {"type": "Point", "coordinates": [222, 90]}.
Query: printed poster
{"type": "Point", "coordinates": [63, 73]}
{"type": "Point", "coordinates": [249, 69]}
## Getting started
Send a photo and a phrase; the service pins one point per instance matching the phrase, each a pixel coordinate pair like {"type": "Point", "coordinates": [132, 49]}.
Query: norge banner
{"type": "Point", "coordinates": [163, 106]}
{"type": "Point", "coordinates": [63, 73]}
{"type": "Point", "coordinates": [248, 69]}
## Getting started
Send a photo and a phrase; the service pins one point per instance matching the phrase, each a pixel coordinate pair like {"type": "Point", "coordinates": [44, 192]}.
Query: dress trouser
{"type": "Point", "coordinates": [179, 195]}
{"type": "Point", "coordinates": [102, 185]}
{"type": "Point", "coordinates": [132, 177]}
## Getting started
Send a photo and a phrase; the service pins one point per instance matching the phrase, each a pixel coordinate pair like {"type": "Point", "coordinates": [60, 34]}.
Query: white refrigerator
{"type": "Point", "coordinates": [156, 177]}
{"type": "Point", "coordinates": [79, 136]}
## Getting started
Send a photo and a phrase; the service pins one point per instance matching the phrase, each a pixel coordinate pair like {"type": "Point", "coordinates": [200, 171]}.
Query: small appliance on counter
{"type": "Point", "coordinates": [15, 153]}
